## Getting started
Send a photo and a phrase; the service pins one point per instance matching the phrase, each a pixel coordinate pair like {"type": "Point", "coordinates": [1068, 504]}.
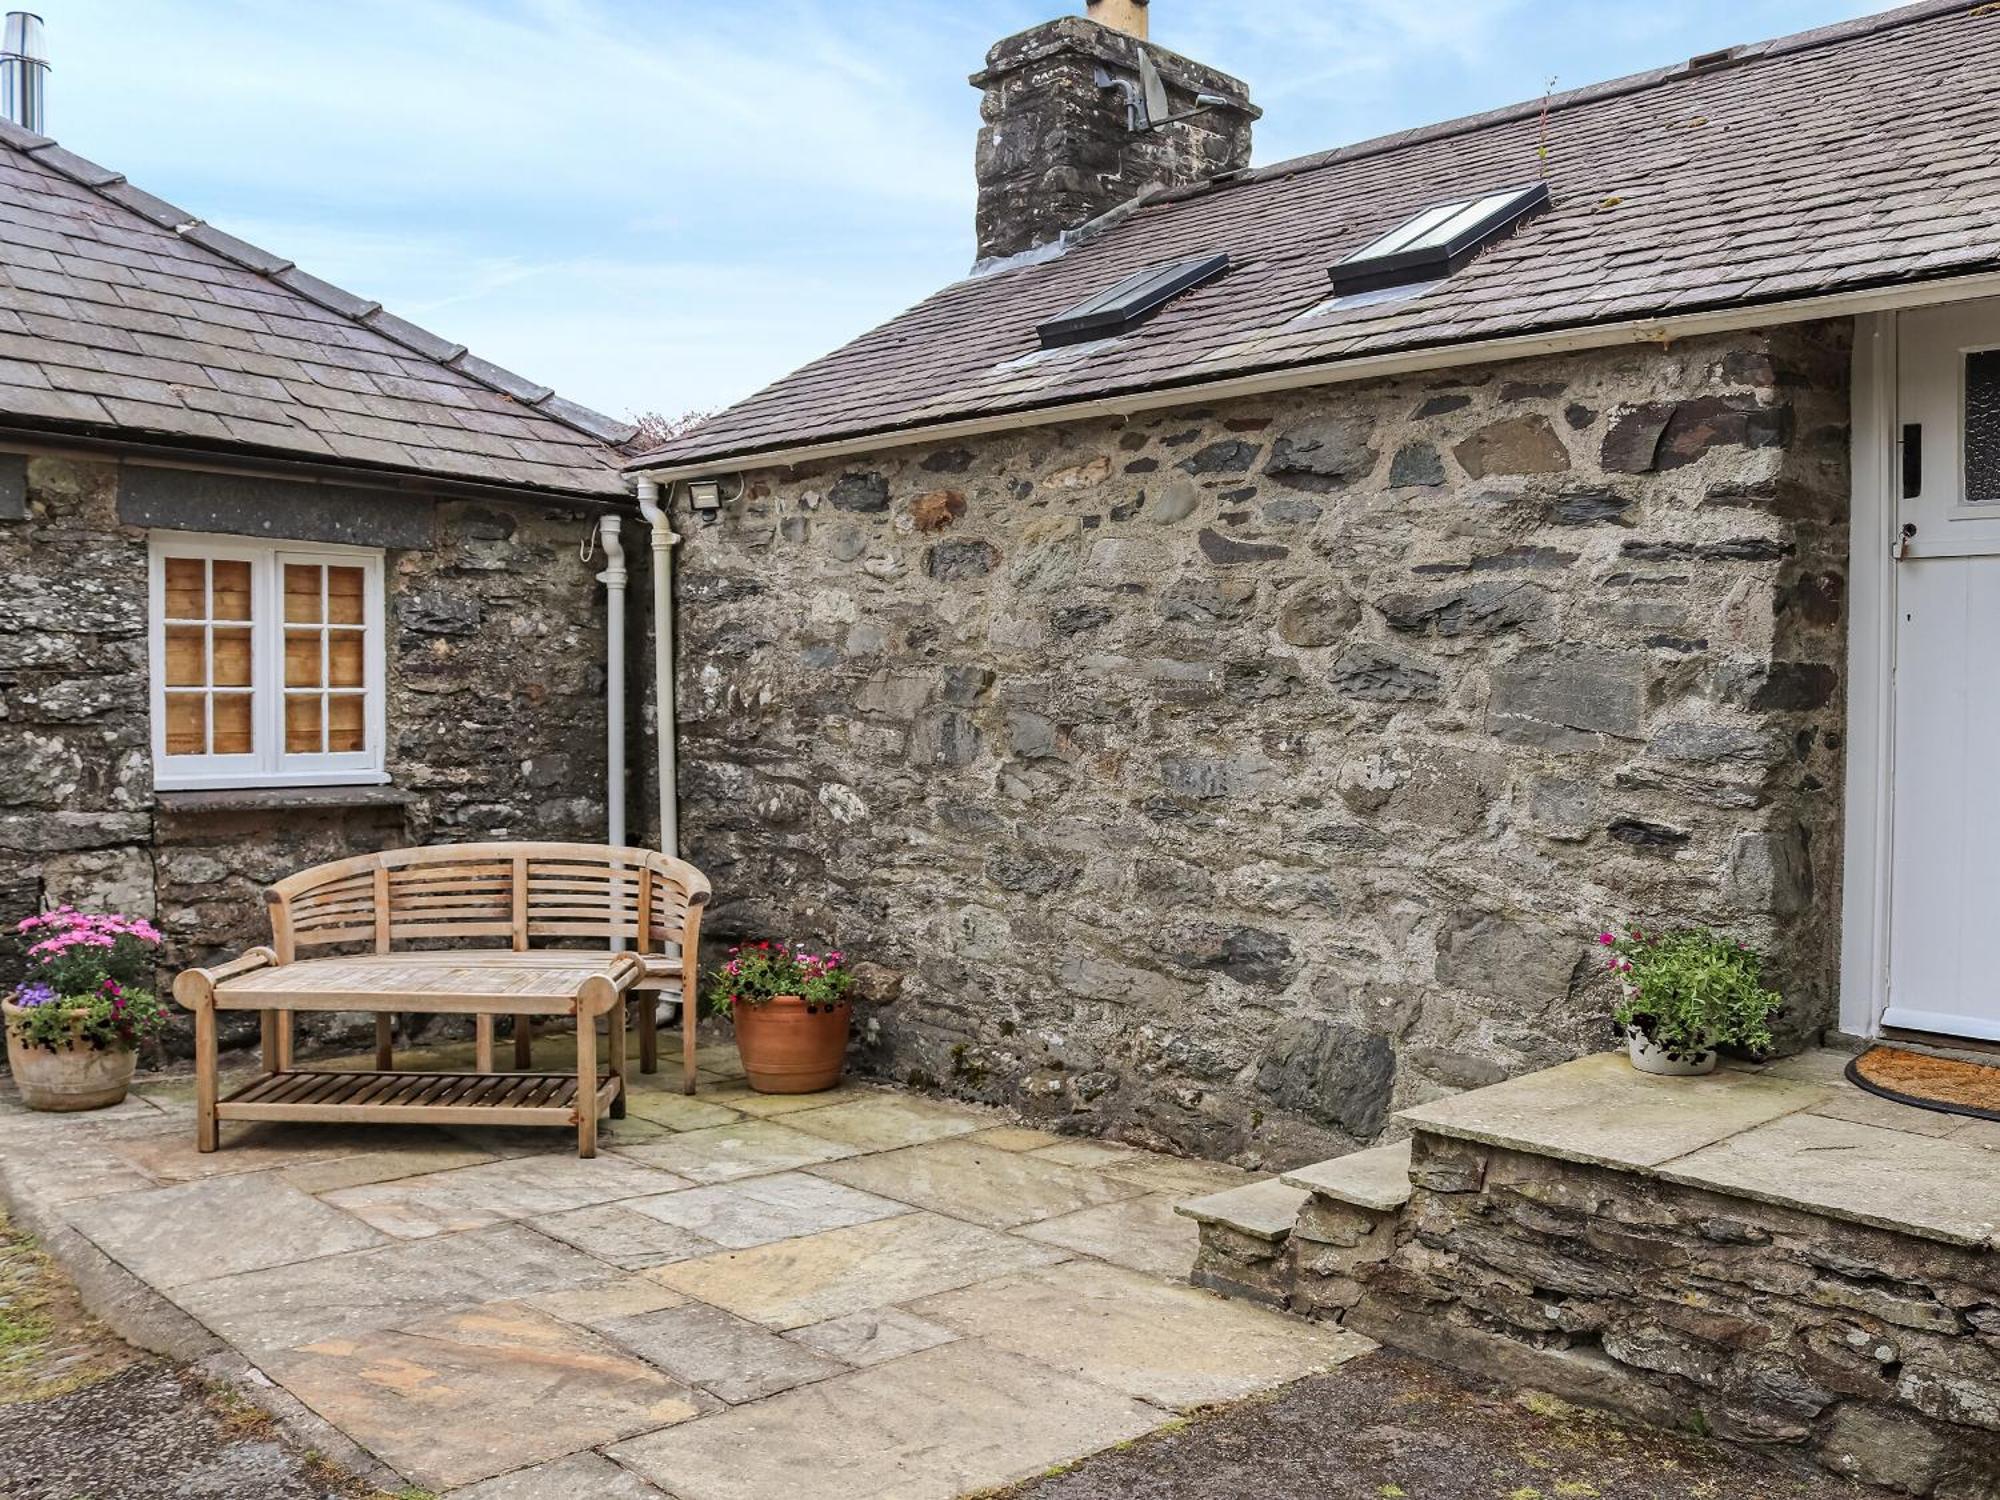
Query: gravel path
{"type": "Point", "coordinates": [84, 1416]}
{"type": "Point", "coordinates": [1386, 1427]}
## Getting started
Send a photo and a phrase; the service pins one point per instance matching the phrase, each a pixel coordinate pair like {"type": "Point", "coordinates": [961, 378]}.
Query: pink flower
{"type": "Point", "coordinates": [1606, 938]}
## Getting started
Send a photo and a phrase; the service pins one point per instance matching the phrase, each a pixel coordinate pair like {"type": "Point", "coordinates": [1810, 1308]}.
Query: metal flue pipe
{"type": "Point", "coordinates": [24, 71]}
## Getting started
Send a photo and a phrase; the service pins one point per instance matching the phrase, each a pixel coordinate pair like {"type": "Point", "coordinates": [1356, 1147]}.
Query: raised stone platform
{"type": "Point", "coordinates": [1768, 1254]}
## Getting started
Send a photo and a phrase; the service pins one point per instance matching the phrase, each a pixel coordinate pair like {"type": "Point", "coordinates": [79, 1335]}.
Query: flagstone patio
{"type": "Point", "coordinates": [857, 1294]}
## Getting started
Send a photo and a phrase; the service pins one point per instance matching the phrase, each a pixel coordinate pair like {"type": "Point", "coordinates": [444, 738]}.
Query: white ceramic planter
{"type": "Point", "coordinates": [1649, 1058]}
{"type": "Point", "coordinates": [66, 1078]}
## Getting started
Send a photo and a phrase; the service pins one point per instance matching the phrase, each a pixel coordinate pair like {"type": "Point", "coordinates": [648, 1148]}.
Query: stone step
{"type": "Point", "coordinates": [1264, 1210]}
{"type": "Point", "coordinates": [1377, 1179]}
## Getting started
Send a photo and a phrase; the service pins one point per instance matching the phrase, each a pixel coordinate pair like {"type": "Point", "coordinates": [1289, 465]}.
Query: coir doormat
{"type": "Point", "coordinates": [1941, 1083]}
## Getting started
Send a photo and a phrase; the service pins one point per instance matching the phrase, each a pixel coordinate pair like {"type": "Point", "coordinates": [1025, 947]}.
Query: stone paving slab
{"type": "Point", "coordinates": [599, 1302]}
{"type": "Point", "coordinates": [383, 1166]}
{"type": "Point", "coordinates": [1601, 1112]}
{"type": "Point", "coordinates": [345, 1294]}
{"type": "Point", "coordinates": [931, 1426]}
{"type": "Point", "coordinates": [758, 1210]}
{"type": "Point", "coordinates": [738, 1095]}
{"type": "Point", "coordinates": [1171, 1345]}
{"type": "Point", "coordinates": [174, 1236]}
{"type": "Point", "coordinates": [473, 1197]}
{"type": "Point", "coordinates": [1176, 1174]}
{"type": "Point", "coordinates": [747, 1148]}
{"type": "Point", "coordinates": [1142, 1234]}
{"type": "Point", "coordinates": [170, 1155]}
{"type": "Point", "coordinates": [440, 1295]}
{"type": "Point", "coordinates": [984, 1184]}
{"type": "Point", "coordinates": [794, 1282]}
{"type": "Point", "coordinates": [883, 1122]}
{"type": "Point", "coordinates": [620, 1235]}
{"type": "Point", "coordinates": [872, 1337]}
{"type": "Point", "coordinates": [1075, 1152]}
{"type": "Point", "coordinates": [469, 1394]}
{"type": "Point", "coordinates": [581, 1476]}
{"type": "Point", "coordinates": [680, 1111]}
{"type": "Point", "coordinates": [1377, 1179]}
{"type": "Point", "coordinates": [1943, 1190]}
{"type": "Point", "coordinates": [1264, 1210]}
{"type": "Point", "coordinates": [722, 1354]}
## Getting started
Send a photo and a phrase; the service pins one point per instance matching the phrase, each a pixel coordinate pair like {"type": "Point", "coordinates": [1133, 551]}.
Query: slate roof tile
{"type": "Point", "coordinates": [120, 310]}
{"type": "Point", "coordinates": [1860, 154]}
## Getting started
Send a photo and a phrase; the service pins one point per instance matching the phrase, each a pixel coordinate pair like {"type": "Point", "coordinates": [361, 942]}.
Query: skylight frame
{"type": "Point", "coordinates": [1438, 241]}
{"type": "Point", "coordinates": [1123, 306]}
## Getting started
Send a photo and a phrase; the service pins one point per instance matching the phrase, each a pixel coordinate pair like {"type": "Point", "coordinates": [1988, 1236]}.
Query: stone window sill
{"type": "Point", "coordinates": [282, 799]}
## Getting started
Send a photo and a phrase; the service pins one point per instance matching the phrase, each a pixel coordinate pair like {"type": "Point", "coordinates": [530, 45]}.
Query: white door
{"type": "Point", "coordinates": [1945, 818]}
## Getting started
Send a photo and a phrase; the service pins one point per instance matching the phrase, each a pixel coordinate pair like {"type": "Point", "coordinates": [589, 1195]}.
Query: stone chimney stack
{"type": "Point", "coordinates": [1066, 134]}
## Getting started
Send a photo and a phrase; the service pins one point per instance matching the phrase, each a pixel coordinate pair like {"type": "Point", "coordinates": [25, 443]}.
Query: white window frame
{"type": "Point", "coordinates": [268, 765]}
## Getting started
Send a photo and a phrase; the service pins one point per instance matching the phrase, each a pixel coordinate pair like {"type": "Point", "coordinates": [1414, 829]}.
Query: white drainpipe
{"type": "Point", "coordinates": [664, 538]}
{"type": "Point", "coordinates": [613, 578]}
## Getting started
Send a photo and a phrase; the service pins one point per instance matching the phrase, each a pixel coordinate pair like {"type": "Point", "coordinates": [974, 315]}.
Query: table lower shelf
{"type": "Point", "coordinates": [414, 1098]}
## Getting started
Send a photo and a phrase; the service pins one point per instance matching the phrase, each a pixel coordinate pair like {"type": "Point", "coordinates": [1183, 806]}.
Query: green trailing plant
{"type": "Point", "coordinates": [757, 973]}
{"type": "Point", "coordinates": [1689, 991]}
{"type": "Point", "coordinates": [88, 982]}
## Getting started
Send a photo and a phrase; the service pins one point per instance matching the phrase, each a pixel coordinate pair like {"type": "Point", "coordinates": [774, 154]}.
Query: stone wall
{"type": "Point", "coordinates": [1873, 1352]}
{"type": "Point", "coordinates": [495, 717]}
{"type": "Point", "coordinates": [1227, 777]}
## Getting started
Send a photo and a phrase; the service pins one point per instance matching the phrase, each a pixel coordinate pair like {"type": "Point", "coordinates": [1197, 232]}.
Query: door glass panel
{"type": "Point", "coordinates": [1982, 426]}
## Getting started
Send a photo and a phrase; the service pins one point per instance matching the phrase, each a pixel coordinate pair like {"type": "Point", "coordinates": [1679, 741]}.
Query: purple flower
{"type": "Point", "coordinates": [34, 994]}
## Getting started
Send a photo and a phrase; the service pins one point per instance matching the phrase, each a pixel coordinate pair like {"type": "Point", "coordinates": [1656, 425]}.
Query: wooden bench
{"type": "Point", "coordinates": [454, 929]}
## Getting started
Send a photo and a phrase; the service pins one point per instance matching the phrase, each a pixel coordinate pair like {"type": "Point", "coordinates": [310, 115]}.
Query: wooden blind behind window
{"type": "Point", "coordinates": [209, 657]}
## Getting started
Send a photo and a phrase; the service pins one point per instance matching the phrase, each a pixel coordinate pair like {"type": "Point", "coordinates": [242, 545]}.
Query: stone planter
{"type": "Point", "coordinates": [1649, 1057]}
{"type": "Point", "coordinates": [66, 1078]}
{"type": "Point", "coordinates": [787, 1049]}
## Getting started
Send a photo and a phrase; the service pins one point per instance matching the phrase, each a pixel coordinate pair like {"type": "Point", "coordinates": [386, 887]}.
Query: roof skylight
{"type": "Point", "coordinates": [1130, 302]}
{"type": "Point", "coordinates": [1436, 242]}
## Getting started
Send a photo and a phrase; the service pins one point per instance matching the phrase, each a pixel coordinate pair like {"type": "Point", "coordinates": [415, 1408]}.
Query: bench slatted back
{"type": "Point", "coordinates": [507, 895]}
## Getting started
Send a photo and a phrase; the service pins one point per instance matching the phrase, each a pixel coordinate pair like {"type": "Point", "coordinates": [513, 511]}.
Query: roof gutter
{"type": "Point", "coordinates": [25, 438]}
{"type": "Point", "coordinates": [1658, 330]}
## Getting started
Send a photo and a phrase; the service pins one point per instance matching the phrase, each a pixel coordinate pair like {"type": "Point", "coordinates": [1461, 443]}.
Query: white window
{"type": "Point", "coordinates": [266, 664]}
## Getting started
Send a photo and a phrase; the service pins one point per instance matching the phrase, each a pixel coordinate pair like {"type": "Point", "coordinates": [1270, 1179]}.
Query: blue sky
{"type": "Point", "coordinates": [665, 205]}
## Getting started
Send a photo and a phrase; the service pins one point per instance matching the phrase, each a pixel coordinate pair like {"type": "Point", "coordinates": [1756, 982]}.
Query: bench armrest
{"type": "Point", "coordinates": [659, 966]}
{"type": "Point", "coordinates": [602, 991]}
{"type": "Point", "coordinates": [194, 988]}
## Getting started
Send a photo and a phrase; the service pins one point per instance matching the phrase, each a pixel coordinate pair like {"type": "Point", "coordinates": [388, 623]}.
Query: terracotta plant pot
{"type": "Point", "coordinates": [788, 1049]}
{"type": "Point", "coordinates": [66, 1078]}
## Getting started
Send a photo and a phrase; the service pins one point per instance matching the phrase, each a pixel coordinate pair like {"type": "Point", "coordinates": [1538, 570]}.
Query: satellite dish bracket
{"type": "Point", "coordinates": [1146, 103]}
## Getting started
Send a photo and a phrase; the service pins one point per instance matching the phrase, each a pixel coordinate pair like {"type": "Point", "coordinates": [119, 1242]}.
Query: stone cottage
{"type": "Point", "coordinates": [1224, 659]}
{"type": "Point", "coordinates": [284, 576]}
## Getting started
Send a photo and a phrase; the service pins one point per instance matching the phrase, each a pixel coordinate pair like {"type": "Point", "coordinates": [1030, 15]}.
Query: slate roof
{"type": "Point", "coordinates": [122, 315]}
{"type": "Point", "coordinates": [1853, 156]}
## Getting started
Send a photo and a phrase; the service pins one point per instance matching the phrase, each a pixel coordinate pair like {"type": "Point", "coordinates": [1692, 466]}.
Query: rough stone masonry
{"type": "Point", "coordinates": [495, 657]}
{"type": "Point", "coordinates": [1227, 777]}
